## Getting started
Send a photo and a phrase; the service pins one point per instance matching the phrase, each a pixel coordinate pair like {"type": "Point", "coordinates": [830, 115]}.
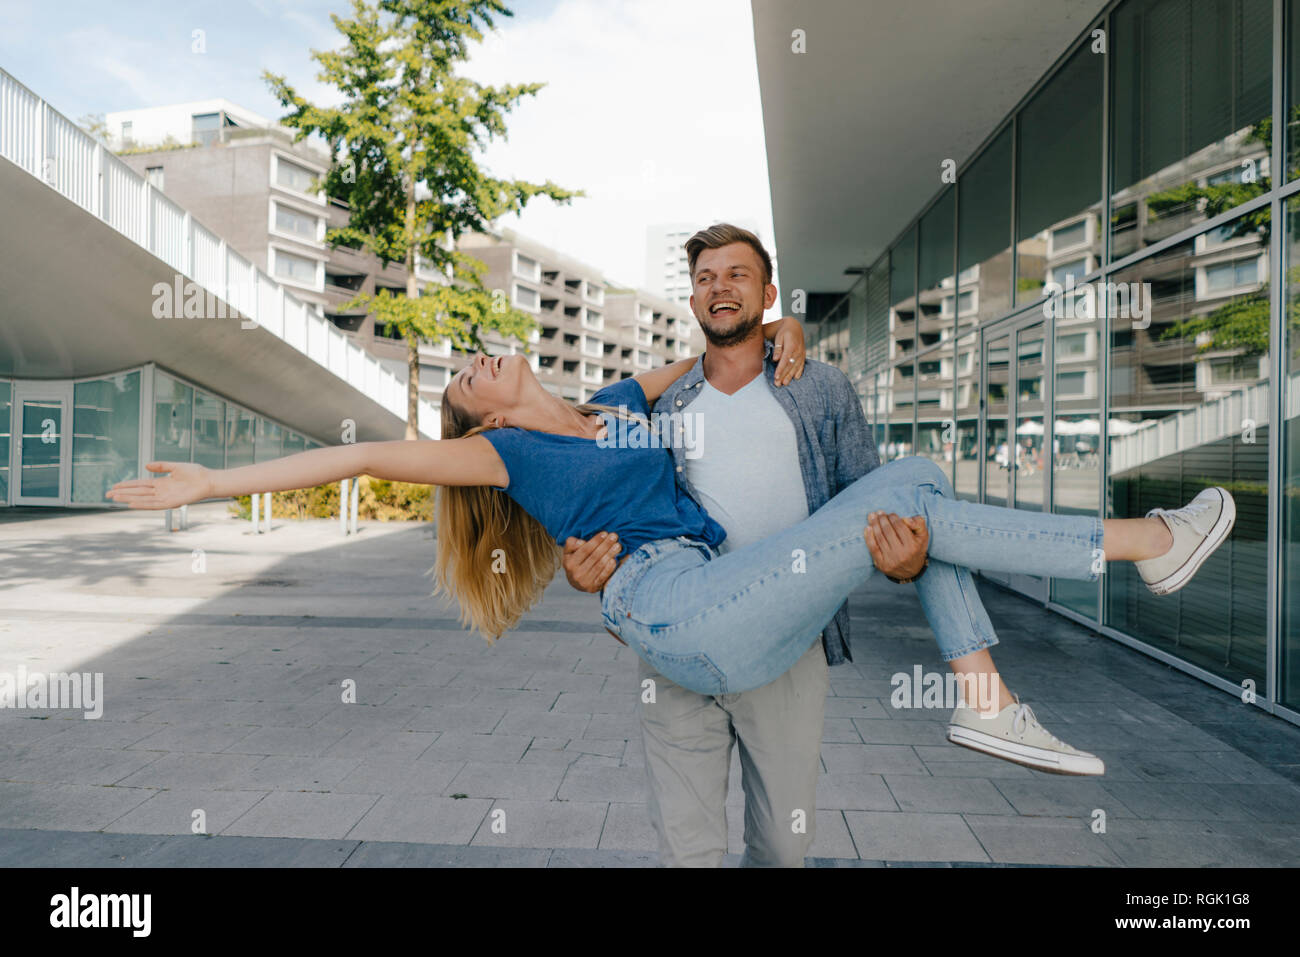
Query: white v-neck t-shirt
{"type": "Point", "coordinates": [747, 471]}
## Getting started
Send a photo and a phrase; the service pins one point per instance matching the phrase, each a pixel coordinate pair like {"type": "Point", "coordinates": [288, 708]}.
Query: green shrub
{"type": "Point", "coordinates": [378, 500]}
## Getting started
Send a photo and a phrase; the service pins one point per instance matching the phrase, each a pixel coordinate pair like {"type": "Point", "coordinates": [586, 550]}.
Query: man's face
{"type": "Point", "coordinates": [729, 294]}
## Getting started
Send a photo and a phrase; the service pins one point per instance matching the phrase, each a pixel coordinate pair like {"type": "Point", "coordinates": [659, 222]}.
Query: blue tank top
{"type": "Point", "coordinates": [626, 484]}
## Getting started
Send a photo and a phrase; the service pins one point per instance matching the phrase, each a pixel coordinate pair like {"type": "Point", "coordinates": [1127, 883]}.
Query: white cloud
{"type": "Point", "coordinates": [651, 106]}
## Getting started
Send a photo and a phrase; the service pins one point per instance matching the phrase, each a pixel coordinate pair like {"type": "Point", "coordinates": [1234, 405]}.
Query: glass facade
{"type": "Point", "coordinates": [6, 435]}
{"type": "Point", "coordinates": [105, 415]}
{"type": "Point", "coordinates": [1086, 322]}
{"type": "Point", "coordinates": [105, 434]}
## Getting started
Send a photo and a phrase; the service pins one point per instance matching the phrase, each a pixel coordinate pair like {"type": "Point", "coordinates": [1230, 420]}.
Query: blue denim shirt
{"type": "Point", "coordinates": [835, 447]}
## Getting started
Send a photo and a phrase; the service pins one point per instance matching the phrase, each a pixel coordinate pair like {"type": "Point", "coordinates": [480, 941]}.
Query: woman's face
{"type": "Point", "coordinates": [491, 388]}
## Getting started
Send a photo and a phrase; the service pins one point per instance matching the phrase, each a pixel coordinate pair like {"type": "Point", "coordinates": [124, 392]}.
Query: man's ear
{"type": "Point", "coordinates": [769, 296]}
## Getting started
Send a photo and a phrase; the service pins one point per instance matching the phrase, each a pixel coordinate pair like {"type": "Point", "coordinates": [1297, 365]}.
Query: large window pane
{"type": "Point", "coordinates": [42, 447]}
{"type": "Point", "coordinates": [1289, 579]}
{"type": "Point", "coordinates": [1189, 406]}
{"type": "Point", "coordinates": [899, 440]}
{"type": "Point", "coordinates": [209, 421]}
{"type": "Point", "coordinates": [268, 440]}
{"type": "Point", "coordinates": [105, 435]}
{"type": "Point", "coordinates": [1192, 105]}
{"type": "Point", "coordinates": [6, 416]}
{"type": "Point", "coordinates": [856, 356]}
{"type": "Point", "coordinates": [241, 427]}
{"type": "Point", "coordinates": [172, 412]}
{"type": "Point", "coordinates": [877, 306]}
{"type": "Point", "coordinates": [1292, 90]}
{"type": "Point", "coordinates": [1076, 477]}
{"type": "Point", "coordinates": [966, 480]}
{"type": "Point", "coordinates": [934, 406]}
{"type": "Point", "coordinates": [998, 454]}
{"type": "Point", "coordinates": [1030, 422]}
{"type": "Point", "coordinates": [984, 234]}
{"type": "Point", "coordinates": [902, 296]}
{"type": "Point", "coordinates": [937, 300]}
{"type": "Point", "coordinates": [1058, 178]}
{"type": "Point", "coordinates": [884, 410]}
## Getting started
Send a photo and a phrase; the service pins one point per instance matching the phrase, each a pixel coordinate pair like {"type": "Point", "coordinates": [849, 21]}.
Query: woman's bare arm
{"type": "Point", "coordinates": [469, 461]}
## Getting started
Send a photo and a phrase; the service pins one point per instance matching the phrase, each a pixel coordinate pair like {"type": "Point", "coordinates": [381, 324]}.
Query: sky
{"type": "Point", "coordinates": [651, 107]}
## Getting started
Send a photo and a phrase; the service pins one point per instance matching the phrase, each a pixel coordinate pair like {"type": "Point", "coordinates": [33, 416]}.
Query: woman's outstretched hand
{"type": "Point", "coordinates": [186, 483]}
{"type": "Point", "coordinates": [788, 350]}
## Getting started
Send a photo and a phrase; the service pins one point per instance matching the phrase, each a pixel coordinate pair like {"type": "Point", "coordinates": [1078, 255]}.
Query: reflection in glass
{"type": "Point", "coordinates": [984, 235]}
{"type": "Point", "coordinates": [1029, 463]}
{"type": "Point", "coordinates": [6, 415]}
{"type": "Point", "coordinates": [884, 409]}
{"type": "Point", "coordinates": [268, 442]}
{"type": "Point", "coordinates": [42, 447]}
{"type": "Point", "coordinates": [937, 300]}
{"type": "Point", "coordinates": [967, 399]}
{"type": "Point", "coordinates": [1076, 460]}
{"type": "Point", "coordinates": [855, 365]}
{"type": "Point", "coordinates": [172, 403]}
{"type": "Point", "coordinates": [903, 339]}
{"type": "Point", "coordinates": [898, 436]}
{"type": "Point", "coordinates": [1289, 578]}
{"type": "Point", "coordinates": [934, 433]}
{"type": "Point", "coordinates": [997, 448]}
{"type": "Point", "coordinates": [240, 426]}
{"type": "Point", "coordinates": [105, 435]}
{"type": "Point", "coordinates": [1058, 179]}
{"type": "Point", "coordinates": [1192, 114]}
{"type": "Point", "coordinates": [209, 422]}
{"type": "Point", "coordinates": [1189, 408]}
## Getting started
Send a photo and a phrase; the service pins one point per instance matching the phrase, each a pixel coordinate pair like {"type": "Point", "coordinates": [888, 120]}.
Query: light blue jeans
{"type": "Point", "coordinates": [722, 624]}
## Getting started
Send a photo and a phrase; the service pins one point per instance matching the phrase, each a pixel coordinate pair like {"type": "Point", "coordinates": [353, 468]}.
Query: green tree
{"type": "Point", "coordinates": [404, 140]}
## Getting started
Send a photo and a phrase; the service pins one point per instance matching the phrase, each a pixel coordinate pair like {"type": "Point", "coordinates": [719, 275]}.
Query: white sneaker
{"type": "Point", "coordinates": [1198, 528]}
{"type": "Point", "coordinates": [1015, 735]}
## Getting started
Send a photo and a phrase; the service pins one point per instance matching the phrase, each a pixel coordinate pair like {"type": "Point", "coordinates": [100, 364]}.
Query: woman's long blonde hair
{"type": "Point", "coordinates": [493, 557]}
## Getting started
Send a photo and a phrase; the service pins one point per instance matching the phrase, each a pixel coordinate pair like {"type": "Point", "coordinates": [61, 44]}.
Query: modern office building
{"type": "Point", "coordinates": [132, 332]}
{"type": "Point", "coordinates": [246, 178]}
{"type": "Point", "coordinates": [1057, 249]}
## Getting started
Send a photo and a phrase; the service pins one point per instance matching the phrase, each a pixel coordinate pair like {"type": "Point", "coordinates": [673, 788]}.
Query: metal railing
{"type": "Point", "coordinates": [40, 140]}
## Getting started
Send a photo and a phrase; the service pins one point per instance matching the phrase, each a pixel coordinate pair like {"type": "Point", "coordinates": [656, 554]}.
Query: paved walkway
{"type": "Point", "coordinates": [223, 655]}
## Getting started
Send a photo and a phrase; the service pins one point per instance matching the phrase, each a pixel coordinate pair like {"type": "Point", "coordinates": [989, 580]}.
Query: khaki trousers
{"type": "Point", "coordinates": [688, 739]}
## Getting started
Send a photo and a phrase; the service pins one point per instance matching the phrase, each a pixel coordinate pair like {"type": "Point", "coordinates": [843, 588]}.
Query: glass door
{"type": "Point", "coordinates": [42, 450]}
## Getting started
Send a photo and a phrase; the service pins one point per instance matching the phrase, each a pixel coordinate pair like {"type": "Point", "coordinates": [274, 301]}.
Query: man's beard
{"type": "Point", "coordinates": [738, 333]}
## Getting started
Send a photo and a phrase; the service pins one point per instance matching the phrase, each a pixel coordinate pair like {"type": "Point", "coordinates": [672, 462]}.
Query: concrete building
{"type": "Point", "coordinates": [591, 333]}
{"type": "Point", "coordinates": [1066, 272]}
{"type": "Point", "coordinates": [133, 332]}
{"type": "Point", "coordinates": [246, 178]}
